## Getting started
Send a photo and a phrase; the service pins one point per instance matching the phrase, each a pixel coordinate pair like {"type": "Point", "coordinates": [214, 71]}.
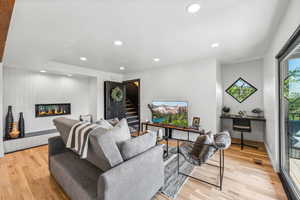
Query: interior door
{"type": "Point", "coordinates": [114, 100]}
{"type": "Point", "coordinates": [289, 85]}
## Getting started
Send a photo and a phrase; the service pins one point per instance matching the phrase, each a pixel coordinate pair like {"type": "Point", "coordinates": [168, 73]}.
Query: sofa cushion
{"type": "Point", "coordinates": [203, 148]}
{"type": "Point", "coordinates": [137, 145]}
{"type": "Point", "coordinates": [64, 125]}
{"type": "Point", "coordinates": [113, 121]}
{"type": "Point", "coordinates": [103, 150]}
{"type": "Point", "coordinates": [77, 177]}
{"type": "Point", "coordinates": [104, 124]}
{"type": "Point", "coordinates": [120, 132]}
{"type": "Point", "coordinates": [222, 140]}
{"type": "Point", "coordinates": [198, 145]}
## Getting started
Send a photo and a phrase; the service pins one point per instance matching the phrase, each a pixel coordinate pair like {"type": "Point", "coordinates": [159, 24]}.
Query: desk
{"type": "Point", "coordinates": [251, 118]}
{"type": "Point", "coordinates": [169, 129]}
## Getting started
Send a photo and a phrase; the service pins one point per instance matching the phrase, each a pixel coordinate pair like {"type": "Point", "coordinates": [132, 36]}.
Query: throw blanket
{"type": "Point", "coordinates": [79, 137]}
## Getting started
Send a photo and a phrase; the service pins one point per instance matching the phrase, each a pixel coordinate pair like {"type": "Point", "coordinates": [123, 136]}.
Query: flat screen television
{"type": "Point", "coordinates": [170, 112]}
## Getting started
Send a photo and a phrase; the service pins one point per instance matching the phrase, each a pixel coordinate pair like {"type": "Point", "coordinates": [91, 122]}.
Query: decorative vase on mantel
{"type": "Point", "coordinates": [21, 125]}
{"type": "Point", "coordinates": [15, 132]}
{"type": "Point", "coordinates": [9, 120]}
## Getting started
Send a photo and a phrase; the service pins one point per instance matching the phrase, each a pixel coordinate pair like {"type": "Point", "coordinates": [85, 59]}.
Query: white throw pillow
{"type": "Point", "coordinates": [210, 138]}
{"type": "Point", "coordinates": [104, 124]}
{"type": "Point", "coordinates": [120, 132]}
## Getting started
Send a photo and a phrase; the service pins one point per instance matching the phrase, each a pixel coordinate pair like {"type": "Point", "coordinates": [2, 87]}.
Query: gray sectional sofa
{"type": "Point", "coordinates": [137, 176]}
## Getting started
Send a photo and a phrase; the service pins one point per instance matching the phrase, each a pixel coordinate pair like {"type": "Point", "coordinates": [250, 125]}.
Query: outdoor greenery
{"type": "Point", "coordinates": [291, 94]}
{"type": "Point", "coordinates": [241, 90]}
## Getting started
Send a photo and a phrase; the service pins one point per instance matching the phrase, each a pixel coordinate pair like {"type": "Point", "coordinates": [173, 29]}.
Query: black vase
{"type": "Point", "coordinates": [8, 122]}
{"type": "Point", "coordinates": [21, 125]}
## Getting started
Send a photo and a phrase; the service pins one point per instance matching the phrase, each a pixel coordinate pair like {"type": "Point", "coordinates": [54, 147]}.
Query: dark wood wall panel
{"type": "Point", "coordinates": [6, 8]}
{"type": "Point", "coordinates": [113, 109]}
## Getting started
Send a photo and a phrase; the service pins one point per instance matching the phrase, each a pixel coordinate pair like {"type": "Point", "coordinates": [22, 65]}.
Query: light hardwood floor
{"type": "Point", "coordinates": [25, 175]}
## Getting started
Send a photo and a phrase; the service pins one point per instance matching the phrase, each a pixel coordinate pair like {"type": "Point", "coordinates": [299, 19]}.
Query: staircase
{"type": "Point", "coordinates": [132, 116]}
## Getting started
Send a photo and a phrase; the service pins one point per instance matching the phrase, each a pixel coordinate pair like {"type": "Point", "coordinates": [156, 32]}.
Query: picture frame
{"type": "Point", "coordinates": [196, 122]}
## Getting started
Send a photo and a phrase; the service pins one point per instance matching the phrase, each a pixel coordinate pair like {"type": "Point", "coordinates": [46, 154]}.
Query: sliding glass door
{"type": "Point", "coordinates": [289, 85]}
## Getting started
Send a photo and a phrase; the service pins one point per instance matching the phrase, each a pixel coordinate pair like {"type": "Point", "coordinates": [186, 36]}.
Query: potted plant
{"type": "Point", "coordinates": [226, 110]}
{"type": "Point", "coordinates": [257, 111]}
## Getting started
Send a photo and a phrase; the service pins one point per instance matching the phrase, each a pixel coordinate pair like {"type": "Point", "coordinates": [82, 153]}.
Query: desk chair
{"type": "Point", "coordinates": [243, 126]}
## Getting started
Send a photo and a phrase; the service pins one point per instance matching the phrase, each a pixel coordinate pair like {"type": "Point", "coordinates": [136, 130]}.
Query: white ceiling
{"type": "Point", "coordinates": [64, 30]}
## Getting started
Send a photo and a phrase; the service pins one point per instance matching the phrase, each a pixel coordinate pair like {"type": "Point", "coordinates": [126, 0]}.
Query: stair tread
{"type": "Point", "coordinates": [132, 119]}
{"type": "Point", "coordinates": [135, 121]}
{"type": "Point", "coordinates": [133, 112]}
{"type": "Point", "coordinates": [132, 116]}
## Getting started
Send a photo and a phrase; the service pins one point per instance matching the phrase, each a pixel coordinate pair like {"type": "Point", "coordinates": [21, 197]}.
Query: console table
{"type": "Point", "coordinates": [169, 129]}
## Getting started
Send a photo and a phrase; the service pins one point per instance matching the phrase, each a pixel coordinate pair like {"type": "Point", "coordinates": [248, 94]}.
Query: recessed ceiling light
{"type": "Point", "coordinates": [69, 75]}
{"type": "Point", "coordinates": [118, 43]}
{"type": "Point", "coordinates": [193, 8]}
{"type": "Point", "coordinates": [83, 58]}
{"type": "Point", "coordinates": [122, 68]}
{"type": "Point", "coordinates": [156, 59]}
{"type": "Point", "coordinates": [43, 71]}
{"type": "Point", "coordinates": [215, 45]}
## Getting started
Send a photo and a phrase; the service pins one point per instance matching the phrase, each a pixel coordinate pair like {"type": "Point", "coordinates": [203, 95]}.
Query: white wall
{"type": "Point", "coordinates": [193, 82]}
{"type": "Point", "coordinates": [93, 97]}
{"type": "Point", "coordinates": [23, 89]}
{"type": "Point", "coordinates": [219, 94]}
{"type": "Point", "coordinates": [251, 71]}
{"type": "Point", "coordinates": [288, 25]}
{"type": "Point", "coordinates": [98, 78]}
{"type": "Point", "coordinates": [1, 110]}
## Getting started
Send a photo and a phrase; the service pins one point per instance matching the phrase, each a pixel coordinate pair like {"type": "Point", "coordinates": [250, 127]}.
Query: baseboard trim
{"type": "Point", "coordinates": [274, 165]}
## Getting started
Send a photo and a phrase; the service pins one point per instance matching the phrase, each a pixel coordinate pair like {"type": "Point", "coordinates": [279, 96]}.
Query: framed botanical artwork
{"type": "Point", "coordinates": [196, 122]}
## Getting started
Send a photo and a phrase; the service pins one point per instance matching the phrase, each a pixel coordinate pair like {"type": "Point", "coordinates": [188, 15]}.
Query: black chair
{"type": "Point", "coordinates": [243, 126]}
{"type": "Point", "coordinates": [208, 148]}
{"type": "Point", "coordinates": [185, 149]}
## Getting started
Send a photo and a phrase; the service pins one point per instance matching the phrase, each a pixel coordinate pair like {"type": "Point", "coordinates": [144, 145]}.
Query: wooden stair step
{"type": "Point", "coordinates": [132, 117]}
{"type": "Point", "coordinates": [130, 113]}
{"type": "Point", "coordinates": [134, 122]}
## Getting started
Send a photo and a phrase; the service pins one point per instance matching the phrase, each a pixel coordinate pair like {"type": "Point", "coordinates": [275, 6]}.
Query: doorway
{"type": "Point", "coordinates": [132, 104]}
{"type": "Point", "coordinates": [289, 115]}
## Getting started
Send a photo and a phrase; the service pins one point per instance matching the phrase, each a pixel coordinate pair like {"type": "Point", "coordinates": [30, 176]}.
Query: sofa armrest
{"type": "Point", "coordinates": [138, 178]}
{"type": "Point", "coordinates": [56, 145]}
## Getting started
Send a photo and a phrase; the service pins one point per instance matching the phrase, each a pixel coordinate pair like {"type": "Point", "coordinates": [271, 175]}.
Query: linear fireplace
{"type": "Point", "coordinates": [47, 110]}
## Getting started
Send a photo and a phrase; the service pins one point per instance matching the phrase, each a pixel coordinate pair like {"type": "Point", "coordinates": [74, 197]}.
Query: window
{"type": "Point", "coordinates": [240, 90]}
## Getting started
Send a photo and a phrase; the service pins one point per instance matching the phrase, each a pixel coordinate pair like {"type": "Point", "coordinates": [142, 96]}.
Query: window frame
{"type": "Point", "coordinates": [240, 78]}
